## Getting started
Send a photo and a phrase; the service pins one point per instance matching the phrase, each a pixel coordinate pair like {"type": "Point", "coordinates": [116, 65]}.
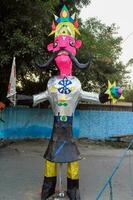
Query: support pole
{"type": "Point", "coordinates": [61, 192]}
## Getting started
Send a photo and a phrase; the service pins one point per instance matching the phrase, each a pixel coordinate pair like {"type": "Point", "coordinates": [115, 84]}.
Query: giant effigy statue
{"type": "Point", "coordinates": [64, 92]}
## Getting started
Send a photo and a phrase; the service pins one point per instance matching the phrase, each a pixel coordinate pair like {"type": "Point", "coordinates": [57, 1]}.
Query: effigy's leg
{"type": "Point", "coordinates": [73, 180]}
{"type": "Point", "coordinates": [49, 182]}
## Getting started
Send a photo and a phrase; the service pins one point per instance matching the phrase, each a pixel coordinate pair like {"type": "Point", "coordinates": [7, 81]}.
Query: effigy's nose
{"type": "Point", "coordinates": [63, 44]}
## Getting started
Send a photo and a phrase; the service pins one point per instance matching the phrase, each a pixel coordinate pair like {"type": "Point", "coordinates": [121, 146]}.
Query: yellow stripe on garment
{"type": "Point", "coordinates": [73, 170]}
{"type": "Point", "coordinates": [50, 169]}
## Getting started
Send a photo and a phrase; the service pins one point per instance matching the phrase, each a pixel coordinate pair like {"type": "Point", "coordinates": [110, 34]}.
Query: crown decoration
{"type": "Point", "coordinates": [64, 16]}
{"type": "Point", "coordinates": [66, 24]}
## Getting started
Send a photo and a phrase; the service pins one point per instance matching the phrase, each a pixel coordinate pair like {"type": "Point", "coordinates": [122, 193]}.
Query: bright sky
{"type": "Point", "coordinates": [119, 12]}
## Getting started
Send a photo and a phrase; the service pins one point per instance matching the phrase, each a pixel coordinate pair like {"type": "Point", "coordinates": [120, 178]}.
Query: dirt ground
{"type": "Point", "coordinates": [22, 166]}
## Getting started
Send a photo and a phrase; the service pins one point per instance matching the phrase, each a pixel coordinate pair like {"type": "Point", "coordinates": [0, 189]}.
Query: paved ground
{"type": "Point", "coordinates": [21, 171]}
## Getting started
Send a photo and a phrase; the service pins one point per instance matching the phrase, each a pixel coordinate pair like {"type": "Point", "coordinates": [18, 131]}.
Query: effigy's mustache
{"type": "Point", "coordinates": [73, 58]}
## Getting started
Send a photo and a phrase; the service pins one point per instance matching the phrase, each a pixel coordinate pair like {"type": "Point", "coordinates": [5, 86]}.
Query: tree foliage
{"type": "Point", "coordinates": [128, 94]}
{"type": "Point", "coordinates": [104, 43]}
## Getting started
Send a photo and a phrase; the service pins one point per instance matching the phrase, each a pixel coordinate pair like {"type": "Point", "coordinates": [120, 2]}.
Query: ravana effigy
{"type": "Point", "coordinates": [64, 92]}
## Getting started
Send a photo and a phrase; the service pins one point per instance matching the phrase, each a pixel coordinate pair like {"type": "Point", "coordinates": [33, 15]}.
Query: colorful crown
{"type": "Point", "coordinates": [67, 25]}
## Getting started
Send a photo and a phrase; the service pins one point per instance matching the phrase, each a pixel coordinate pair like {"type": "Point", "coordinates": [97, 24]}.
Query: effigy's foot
{"type": "Point", "coordinates": [74, 194]}
{"type": "Point", "coordinates": [48, 188]}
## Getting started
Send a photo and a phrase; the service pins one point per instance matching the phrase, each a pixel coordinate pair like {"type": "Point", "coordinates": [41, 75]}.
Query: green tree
{"type": "Point", "coordinates": [128, 94]}
{"type": "Point", "coordinates": [104, 43]}
{"type": "Point", "coordinates": [23, 29]}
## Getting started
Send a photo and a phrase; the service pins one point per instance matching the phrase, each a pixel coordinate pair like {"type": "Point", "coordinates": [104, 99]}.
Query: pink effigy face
{"type": "Point", "coordinates": [63, 61]}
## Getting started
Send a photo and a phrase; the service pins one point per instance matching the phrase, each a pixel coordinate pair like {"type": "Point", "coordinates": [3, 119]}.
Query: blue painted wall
{"type": "Point", "coordinates": [23, 123]}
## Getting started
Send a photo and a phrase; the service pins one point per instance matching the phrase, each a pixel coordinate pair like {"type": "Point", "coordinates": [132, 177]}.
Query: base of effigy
{"type": "Point", "coordinates": [59, 196]}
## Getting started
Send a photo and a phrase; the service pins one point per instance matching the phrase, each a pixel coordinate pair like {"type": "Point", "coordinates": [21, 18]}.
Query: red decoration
{"type": "Point", "coordinates": [76, 24]}
{"type": "Point", "coordinates": [53, 26]}
{"type": "Point", "coordinates": [2, 106]}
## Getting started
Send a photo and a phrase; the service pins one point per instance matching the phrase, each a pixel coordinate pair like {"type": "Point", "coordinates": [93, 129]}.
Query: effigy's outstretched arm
{"type": "Point", "coordinates": [89, 96]}
{"type": "Point", "coordinates": [39, 98]}
{"type": "Point", "coordinates": [31, 100]}
{"type": "Point", "coordinates": [20, 100]}
{"type": "Point", "coordinates": [93, 96]}
{"type": "Point", "coordinates": [25, 99]}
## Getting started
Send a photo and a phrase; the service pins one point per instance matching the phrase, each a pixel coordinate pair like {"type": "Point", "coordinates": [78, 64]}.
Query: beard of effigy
{"type": "Point", "coordinates": [64, 60]}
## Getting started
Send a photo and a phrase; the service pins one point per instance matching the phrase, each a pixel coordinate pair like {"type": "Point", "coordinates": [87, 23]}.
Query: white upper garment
{"type": "Point", "coordinates": [64, 93]}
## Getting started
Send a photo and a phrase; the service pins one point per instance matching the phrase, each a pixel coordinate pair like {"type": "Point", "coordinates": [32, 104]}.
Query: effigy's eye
{"type": "Point", "coordinates": [72, 43]}
{"type": "Point", "coordinates": [55, 44]}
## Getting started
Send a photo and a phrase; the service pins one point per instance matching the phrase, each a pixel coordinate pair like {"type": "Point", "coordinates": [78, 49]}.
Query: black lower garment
{"type": "Point", "coordinates": [62, 147]}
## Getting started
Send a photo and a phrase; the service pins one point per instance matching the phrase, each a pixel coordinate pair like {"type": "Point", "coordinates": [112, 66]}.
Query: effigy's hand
{"type": "Point", "coordinates": [114, 92]}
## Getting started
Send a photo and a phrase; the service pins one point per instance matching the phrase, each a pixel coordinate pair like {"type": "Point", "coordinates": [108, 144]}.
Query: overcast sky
{"type": "Point", "coordinates": [119, 12]}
